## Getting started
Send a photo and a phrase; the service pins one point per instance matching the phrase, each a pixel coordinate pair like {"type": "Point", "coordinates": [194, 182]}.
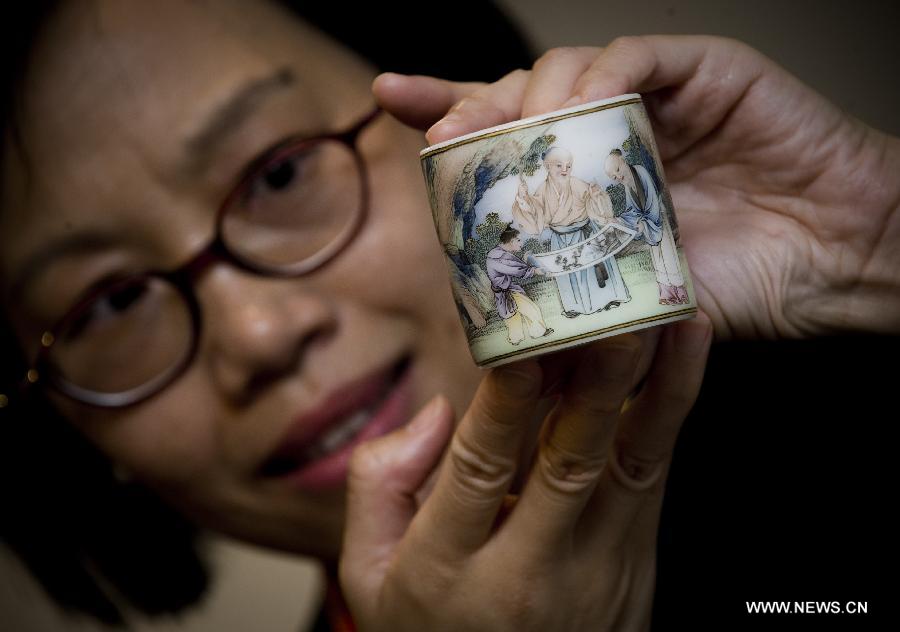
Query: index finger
{"type": "Point", "coordinates": [640, 64]}
{"type": "Point", "coordinates": [687, 73]}
{"type": "Point", "coordinates": [481, 461]}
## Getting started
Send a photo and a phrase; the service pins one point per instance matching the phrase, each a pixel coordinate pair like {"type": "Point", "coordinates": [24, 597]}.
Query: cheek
{"type": "Point", "coordinates": [168, 441]}
{"type": "Point", "coordinates": [404, 271]}
{"type": "Point", "coordinates": [398, 255]}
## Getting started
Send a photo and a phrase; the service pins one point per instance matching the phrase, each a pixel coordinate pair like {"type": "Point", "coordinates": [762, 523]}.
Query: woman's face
{"type": "Point", "coordinates": [137, 120]}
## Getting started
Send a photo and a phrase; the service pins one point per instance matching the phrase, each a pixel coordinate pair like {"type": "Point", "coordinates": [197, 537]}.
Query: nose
{"type": "Point", "coordinates": [258, 330]}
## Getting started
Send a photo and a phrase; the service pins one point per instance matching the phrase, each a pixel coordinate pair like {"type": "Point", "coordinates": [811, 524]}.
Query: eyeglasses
{"type": "Point", "coordinates": [128, 339]}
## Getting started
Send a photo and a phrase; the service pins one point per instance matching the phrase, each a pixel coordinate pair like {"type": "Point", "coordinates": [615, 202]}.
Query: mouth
{"type": "Point", "coordinates": [314, 454]}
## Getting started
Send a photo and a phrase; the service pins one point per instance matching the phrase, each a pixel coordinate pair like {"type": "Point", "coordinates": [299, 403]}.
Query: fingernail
{"type": "Point", "coordinates": [623, 350]}
{"type": "Point", "coordinates": [427, 417]}
{"type": "Point", "coordinates": [624, 344]}
{"type": "Point", "coordinates": [695, 334]}
{"type": "Point", "coordinates": [436, 133]}
{"type": "Point", "coordinates": [555, 388]}
{"type": "Point", "coordinates": [518, 381]}
{"type": "Point", "coordinates": [612, 362]}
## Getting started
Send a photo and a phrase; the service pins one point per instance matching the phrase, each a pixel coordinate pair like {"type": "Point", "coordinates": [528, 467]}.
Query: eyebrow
{"type": "Point", "coordinates": [231, 113]}
{"type": "Point", "coordinates": [71, 245]}
{"type": "Point", "coordinates": [198, 147]}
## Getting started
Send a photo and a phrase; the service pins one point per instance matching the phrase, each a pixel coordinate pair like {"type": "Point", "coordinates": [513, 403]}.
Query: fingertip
{"type": "Point", "coordinates": [521, 379]}
{"type": "Point", "coordinates": [406, 441]}
{"type": "Point", "coordinates": [622, 349]}
{"type": "Point", "coordinates": [686, 345]}
{"type": "Point", "coordinates": [629, 340]}
{"type": "Point", "coordinates": [703, 318]}
{"type": "Point", "coordinates": [437, 410]}
{"type": "Point", "coordinates": [597, 92]}
{"type": "Point", "coordinates": [445, 129]}
{"type": "Point", "coordinates": [694, 335]}
{"type": "Point", "coordinates": [416, 100]}
{"type": "Point", "coordinates": [390, 91]}
{"type": "Point", "coordinates": [387, 83]}
{"type": "Point", "coordinates": [466, 116]}
{"type": "Point", "coordinates": [593, 91]}
{"type": "Point", "coordinates": [383, 77]}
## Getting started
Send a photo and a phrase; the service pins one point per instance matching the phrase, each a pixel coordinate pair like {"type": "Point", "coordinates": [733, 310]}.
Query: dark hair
{"type": "Point", "coordinates": [509, 233]}
{"type": "Point", "coordinates": [74, 525]}
{"type": "Point", "coordinates": [615, 152]}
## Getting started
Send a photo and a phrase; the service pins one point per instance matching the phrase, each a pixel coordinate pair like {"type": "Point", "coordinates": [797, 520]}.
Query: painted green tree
{"type": "Point", "coordinates": [616, 194]}
{"type": "Point", "coordinates": [483, 173]}
{"type": "Point", "coordinates": [534, 157]}
{"type": "Point", "coordinates": [535, 245]}
{"type": "Point", "coordinates": [488, 236]}
{"type": "Point", "coordinates": [509, 157]}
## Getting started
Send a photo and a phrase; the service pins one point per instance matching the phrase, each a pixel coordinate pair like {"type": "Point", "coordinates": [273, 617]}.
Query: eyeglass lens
{"type": "Point", "coordinates": [126, 337]}
{"type": "Point", "coordinates": [302, 203]}
{"type": "Point", "coordinates": [297, 206]}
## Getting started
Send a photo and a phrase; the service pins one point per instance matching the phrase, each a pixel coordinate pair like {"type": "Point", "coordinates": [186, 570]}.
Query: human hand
{"type": "Point", "coordinates": [575, 548]}
{"type": "Point", "coordinates": [788, 207]}
{"type": "Point", "coordinates": [641, 227]}
{"type": "Point", "coordinates": [523, 187]}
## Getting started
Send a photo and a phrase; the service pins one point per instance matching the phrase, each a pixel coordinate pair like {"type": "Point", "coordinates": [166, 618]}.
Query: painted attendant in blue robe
{"type": "Point", "coordinates": [643, 214]}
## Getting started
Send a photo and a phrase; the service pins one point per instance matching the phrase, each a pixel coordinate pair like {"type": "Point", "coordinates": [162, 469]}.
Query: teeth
{"type": "Point", "coordinates": [339, 435]}
{"type": "Point", "coordinates": [334, 438]}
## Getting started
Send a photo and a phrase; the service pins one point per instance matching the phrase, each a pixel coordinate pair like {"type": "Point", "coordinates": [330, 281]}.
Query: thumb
{"type": "Point", "coordinates": [417, 100]}
{"type": "Point", "coordinates": [384, 475]}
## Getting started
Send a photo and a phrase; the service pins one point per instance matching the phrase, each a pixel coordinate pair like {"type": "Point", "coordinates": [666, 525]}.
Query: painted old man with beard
{"type": "Point", "coordinates": [572, 210]}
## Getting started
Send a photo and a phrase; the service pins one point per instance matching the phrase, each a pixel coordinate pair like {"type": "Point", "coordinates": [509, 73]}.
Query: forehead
{"type": "Point", "coordinates": [557, 155]}
{"type": "Point", "coordinates": [116, 88]}
{"type": "Point", "coordinates": [122, 70]}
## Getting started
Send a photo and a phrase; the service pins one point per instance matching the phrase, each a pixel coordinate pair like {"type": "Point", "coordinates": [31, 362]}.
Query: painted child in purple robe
{"type": "Point", "coordinates": [505, 269]}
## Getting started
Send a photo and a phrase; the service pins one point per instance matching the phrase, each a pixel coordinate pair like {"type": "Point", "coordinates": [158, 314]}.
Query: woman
{"type": "Point", "coordinates": [250, 430]}
{"type": "Point", "coordinates": [247, 424]}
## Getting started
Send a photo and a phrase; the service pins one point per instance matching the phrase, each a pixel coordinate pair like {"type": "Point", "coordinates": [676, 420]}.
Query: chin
{"type": "Point", "coordinates": [290, 523]}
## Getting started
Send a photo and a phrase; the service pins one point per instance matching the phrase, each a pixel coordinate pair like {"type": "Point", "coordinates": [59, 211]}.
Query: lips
{"type": "Point", "coordinates": [315, 452]}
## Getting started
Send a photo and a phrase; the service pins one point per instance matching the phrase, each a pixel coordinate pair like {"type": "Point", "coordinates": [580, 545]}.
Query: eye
{"type": "Point", "coordinates": [107, 308]}
{"type": "Point", "coordinates": [280, 175]}
{"type": "Point", "coordinates": [295, 203]}
{"type": "Point", "coordinates": [283, 172]}
{"type": "Point", "coordinates": [127, 334]}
